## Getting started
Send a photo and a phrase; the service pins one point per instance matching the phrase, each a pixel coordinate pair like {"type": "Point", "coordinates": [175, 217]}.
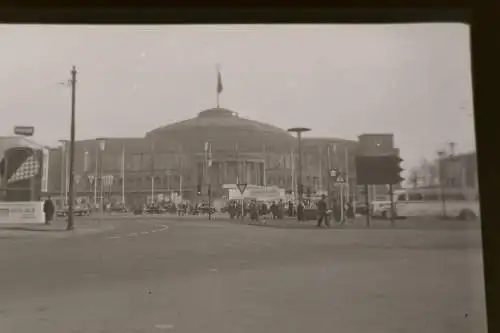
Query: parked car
{"type": "Point", "coordinates": [78, 210]}
{"type": "Point", "coordinates": [204, 208]}
{"type": "Point", "coordinates": [119, 209]}
{"type": "Point", "coordinates": [155, 210]}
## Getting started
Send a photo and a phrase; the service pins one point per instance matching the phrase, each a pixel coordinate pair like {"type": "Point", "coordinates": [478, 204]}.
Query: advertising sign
{"type": "Point", "coordinates": [258, 193]}
{"type": "Point", "coordinates": [45, 170]}
{"type": "Point", "coordinates": [24, 130]}
{"type": "Point", "coordinates": [21, 212]}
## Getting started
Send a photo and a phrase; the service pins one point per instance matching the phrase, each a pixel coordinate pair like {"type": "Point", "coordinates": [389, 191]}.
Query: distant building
{"type": "Point", "coordinates": [170, 159]}
{"type": "Point", "coordinates": [460, 171]}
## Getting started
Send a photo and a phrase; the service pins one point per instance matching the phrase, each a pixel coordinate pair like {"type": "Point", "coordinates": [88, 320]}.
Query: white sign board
{"type": "Point", "coordinates": [24, 130]}
{"type": "Point", "coordinates": [45, 170]}
{"type": "Point", "coordinates": [21, 212]}
{"type": "Point", "coordinates": [258, 193]}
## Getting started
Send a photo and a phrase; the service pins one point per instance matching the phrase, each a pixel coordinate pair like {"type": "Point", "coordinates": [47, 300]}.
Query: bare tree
{"type": "Point", "coordinates": [414, 177]}
{"type": "Point", "coordinates": [425, 174]}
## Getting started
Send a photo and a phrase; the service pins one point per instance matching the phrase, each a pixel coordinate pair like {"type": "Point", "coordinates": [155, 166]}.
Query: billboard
{"type": "Point", "coordinates": [45, 170]}
{"type": "Point", "coordinates": [22, 167]}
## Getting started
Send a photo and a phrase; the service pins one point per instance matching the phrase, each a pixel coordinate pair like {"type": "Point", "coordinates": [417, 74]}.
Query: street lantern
{"type": "Point", "coordinates": [102, 143]}
{"type": "Point", "coordinates": [299, 131]}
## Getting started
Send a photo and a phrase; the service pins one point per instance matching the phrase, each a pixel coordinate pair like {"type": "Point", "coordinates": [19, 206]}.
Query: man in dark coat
{"type": "Point", "coordinates": [322, 212]}
{"type": "Point", "coordinates": [48, 209]}
{"type": "Point", "coordinates": [281, 209]}
{"type": "Point", "coordinates": [290, 209]}
{"type": "Point", "coordinates": [300, 211]}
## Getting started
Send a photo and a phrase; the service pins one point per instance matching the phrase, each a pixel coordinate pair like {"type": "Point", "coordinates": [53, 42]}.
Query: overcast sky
{"type": "Point", "coordinates": [340, 80]}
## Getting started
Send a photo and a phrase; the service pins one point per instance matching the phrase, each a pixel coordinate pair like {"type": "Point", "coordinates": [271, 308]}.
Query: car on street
{"type": "Point", "coordinates": [78, 210]}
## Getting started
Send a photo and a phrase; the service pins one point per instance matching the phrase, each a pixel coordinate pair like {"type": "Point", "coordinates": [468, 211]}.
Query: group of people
{"type": "Point", "coordinates": [255, 210]}
{"type": "Point", "coordinates": [324, 212]}
{"type": "Point", "coordinates": [277, 209]}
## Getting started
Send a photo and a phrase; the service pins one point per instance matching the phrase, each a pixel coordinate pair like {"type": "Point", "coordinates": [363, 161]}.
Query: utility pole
{"type": "Point", "coordinates": [71, 224]}
{"type": "Point", "coordinates": [329, 166]}
{"type": "Point", "coordinates": [441, 156]}
{"type": "Point", "coordinates": [367, 203]}
{"type": "Point", "coordinates": [393, 212]}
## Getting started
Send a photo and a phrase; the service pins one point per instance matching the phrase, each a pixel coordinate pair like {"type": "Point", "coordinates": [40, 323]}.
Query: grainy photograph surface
{"type": "Point", "coordinates": [239, 178]}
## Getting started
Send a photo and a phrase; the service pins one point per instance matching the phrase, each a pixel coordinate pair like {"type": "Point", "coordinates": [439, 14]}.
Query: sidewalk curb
{"type": "Point", "coordinates": [52, 231]}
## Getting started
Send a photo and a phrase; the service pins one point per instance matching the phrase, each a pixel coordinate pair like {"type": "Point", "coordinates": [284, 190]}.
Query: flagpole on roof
{"type": "Point", "coordinates": [219, 84]}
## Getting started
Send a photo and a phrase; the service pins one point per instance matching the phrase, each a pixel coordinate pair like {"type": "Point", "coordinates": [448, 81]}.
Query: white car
{"type": "Point", "coordinates": [383, 209]}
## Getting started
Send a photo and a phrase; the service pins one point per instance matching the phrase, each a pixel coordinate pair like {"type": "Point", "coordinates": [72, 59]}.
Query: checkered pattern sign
{"type": "Point", "coordinates": [28, 169]}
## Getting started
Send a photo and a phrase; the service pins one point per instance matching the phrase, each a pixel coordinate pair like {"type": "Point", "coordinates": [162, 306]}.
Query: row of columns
{"type": "Point", "coordinates": [227, 172]}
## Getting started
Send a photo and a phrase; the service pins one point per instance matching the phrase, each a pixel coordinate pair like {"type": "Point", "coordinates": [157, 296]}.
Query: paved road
{"type": "Point", "coordinates": [188, 275]}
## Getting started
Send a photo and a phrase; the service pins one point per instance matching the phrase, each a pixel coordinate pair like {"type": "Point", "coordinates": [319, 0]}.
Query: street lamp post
{"type": "Point", "coordinates": [299, 131]}
{"type": "Point", "coordinates": [70, 225]}
{"type": "Point", "coordinates": [102, 146]}
{"type": "Point", "coordinates": [441, 155]}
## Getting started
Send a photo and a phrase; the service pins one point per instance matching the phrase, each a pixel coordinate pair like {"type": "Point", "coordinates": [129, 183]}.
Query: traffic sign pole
{"type": "Point", "coordinates": [242, 187]}
{"type": "Point", "coordinates": [367, 201]}
{"type": "Point", "coordinates": [209, 201]}
{"type": "Point", "coordinates": [391, 193]}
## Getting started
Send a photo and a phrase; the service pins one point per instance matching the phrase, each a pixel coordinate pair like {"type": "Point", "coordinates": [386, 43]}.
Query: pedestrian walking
{"type": "Point", "coordinates": [322, 212]}
{"type": "Point", "coordinates": [274, 210]}
{"type": "Point", "coordinates": [253, 211]}
{"type": "Point", "coordinates": [350, 210]}
{"type": "Point", "coordinates": [281, 210]}
{"type": "Point", "coordinates": [300, 211]}
{"type": "Point", "coordinates": [48, 209]}
{"type": "Point", "coordinates": [290, 209]}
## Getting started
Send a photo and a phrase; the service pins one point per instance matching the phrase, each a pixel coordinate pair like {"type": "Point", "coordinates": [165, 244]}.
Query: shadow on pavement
{"type": "Point", "coordinates": [42, 228]}
{"type": "Point", "coordinates": [360, 224]}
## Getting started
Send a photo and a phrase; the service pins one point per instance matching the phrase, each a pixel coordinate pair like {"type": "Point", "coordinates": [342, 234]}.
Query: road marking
{"type": "Point", "coordinates": [144, 232]}
{"type": "Point", "coordinates": [213, 270]}
{"type": "Point", "coordinates": [164, 326]}
{"type": "Point", "coordinates": [114, 237]}
{"type": "Point", "coordinates": [132, 234]}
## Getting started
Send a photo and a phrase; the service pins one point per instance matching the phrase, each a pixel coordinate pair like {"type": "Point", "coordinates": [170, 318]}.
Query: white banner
{"type": "Point", "coordinates": [21, 212]}
{"type": "Point", "coordinates": [258, 193]}
{"type": "Point", "coordinates": [45, 170]}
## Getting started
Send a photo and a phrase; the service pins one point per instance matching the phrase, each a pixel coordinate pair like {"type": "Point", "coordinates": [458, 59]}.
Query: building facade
{"type": "Point", "coordinates": [172, 159]}
{"type": "Point", "coordinates": [459, 171]}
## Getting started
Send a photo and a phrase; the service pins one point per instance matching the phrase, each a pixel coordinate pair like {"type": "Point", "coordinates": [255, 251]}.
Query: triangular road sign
{"type": "Point", "coordinates": [242, 187]}
{"type": "Point", "coordinates": [340, 179]}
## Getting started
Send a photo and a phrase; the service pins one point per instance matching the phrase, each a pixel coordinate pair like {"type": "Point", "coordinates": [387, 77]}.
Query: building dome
{"type": "Point", "coordinates": [224, 129]}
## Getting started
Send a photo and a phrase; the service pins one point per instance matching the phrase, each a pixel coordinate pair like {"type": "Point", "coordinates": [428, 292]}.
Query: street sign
{"type": "Point", "coordinates": [242, 187]}
{"type": "Point", "coordinates": [24, 130]}
{"type": "Point", "coordinates": [333, 173]}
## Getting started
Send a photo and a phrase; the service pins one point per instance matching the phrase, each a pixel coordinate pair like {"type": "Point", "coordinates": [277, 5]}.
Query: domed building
{"type": "Point", "coordinates": [171, 159]}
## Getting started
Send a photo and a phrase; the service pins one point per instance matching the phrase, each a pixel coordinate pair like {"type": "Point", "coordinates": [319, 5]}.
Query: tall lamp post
{"type": "Point", "coordinates": [71, 224]}
{"type": "Point", "coordinates": [299, 131]}
{"type": "Point", "coordinates": [102, 146]}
